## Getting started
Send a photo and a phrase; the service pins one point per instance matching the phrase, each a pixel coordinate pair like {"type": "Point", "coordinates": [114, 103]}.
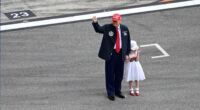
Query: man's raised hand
{"type": "Point", "coordinates": [94, 19]}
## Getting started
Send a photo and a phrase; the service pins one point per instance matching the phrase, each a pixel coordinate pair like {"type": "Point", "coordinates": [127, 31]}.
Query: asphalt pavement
{"type": "Point", "coordinates": [57, 67]}
{"type": "Point", "coordinates": [49, 8]}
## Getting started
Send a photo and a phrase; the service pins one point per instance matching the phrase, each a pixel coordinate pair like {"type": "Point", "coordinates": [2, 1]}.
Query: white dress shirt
{"type": "Point", "coordinates": [119, 38]}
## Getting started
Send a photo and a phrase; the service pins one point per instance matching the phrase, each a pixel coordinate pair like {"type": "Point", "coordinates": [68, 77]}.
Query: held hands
{"type": "Point", "coordinates": [126, 58]}
{"type": "Point", "coordinates": [94, 19]}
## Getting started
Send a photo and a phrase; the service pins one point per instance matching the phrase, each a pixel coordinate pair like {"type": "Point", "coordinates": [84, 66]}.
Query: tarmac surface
{"type": "Point", "coordinates": [49, 8]}
{"type": "Point", "coordinates": [57, 67]}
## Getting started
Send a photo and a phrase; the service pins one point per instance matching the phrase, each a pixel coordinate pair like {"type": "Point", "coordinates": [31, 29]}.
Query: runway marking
{"type": "Point", "coordinates": [165, 54]}
{"type": "Point", "coordinates": [20, 14]}
{"type": "Point", "coordinates": [99, 15]}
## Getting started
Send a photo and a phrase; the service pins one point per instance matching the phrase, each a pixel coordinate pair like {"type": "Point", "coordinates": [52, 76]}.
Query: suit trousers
{"type": "Point", "coordinates": [114, 69]}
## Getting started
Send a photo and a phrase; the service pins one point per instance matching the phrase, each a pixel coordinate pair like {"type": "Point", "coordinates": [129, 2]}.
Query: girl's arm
{"type": "Point", "coordinates": [138, 54]}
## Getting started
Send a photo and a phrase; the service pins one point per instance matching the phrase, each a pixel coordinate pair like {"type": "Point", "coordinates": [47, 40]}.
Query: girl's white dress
{"type": "Point", "coordinates": [134, 70]}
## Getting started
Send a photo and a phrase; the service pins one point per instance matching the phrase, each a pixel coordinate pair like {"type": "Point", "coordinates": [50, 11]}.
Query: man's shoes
{"type": "Point", "coordinates": [120, 96]}
{"type": "Point", "coordinates": [111, 97]}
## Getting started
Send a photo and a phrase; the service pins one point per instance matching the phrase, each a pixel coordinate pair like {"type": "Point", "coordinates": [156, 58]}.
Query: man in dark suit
{"type": "Point", "coordinates": [115, 48]}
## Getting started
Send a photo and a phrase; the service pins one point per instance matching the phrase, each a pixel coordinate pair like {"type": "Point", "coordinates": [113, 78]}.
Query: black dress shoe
{"type": "Point", "coordinates": [120, 96]}
{"type": "Point", "coordinates": [111, 97]}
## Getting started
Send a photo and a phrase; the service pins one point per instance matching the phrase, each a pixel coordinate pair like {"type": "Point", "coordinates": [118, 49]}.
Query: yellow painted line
{"type": "Point", "coordinates": [166, 1]}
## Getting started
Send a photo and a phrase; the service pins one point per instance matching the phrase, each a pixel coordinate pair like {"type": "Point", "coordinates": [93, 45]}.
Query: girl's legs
{"type": "Point", "coordinates": [137, 84]}
{"type": "Point", "coordinates": [131, 88]}
{"type": "Point", "coordinates": [137, 88]}
{"type": "Point", "coordinates": [130, 84]}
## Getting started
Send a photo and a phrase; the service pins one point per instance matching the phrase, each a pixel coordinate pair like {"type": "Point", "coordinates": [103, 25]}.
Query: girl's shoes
{"type": "Point", "coordinates": [137, 92]}
{"type": "Point", "coordinates": [132, 92]}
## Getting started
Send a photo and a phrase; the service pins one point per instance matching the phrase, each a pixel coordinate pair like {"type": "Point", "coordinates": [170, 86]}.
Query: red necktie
{"type": "Point", "coordinates": [117, 42]}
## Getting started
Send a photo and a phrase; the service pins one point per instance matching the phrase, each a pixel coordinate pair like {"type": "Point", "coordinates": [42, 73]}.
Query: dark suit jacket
{"type": "Point", "coordinates": [109, 39]}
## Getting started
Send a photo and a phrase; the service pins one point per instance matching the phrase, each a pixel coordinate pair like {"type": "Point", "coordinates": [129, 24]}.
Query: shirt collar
{"type": "Point", "coordinates": [118, 26]}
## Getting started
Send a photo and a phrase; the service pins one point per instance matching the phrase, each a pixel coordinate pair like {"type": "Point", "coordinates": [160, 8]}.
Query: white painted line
{"type": "Point", "coordinates": [165, 54]}
{"type": "Point", "coordinates": [99, 15]}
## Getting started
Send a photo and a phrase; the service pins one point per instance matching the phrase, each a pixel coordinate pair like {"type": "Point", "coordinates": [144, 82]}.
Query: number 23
{"type": "Point", "coordinates": [19, 15]}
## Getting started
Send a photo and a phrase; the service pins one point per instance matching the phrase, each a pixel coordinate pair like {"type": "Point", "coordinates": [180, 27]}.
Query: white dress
{"type": "Point", "coordinates": [134, 70]}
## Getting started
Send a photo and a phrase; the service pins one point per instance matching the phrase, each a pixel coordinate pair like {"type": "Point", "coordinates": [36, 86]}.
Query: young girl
{"type": "Point", "coordinates": [134, 71]}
